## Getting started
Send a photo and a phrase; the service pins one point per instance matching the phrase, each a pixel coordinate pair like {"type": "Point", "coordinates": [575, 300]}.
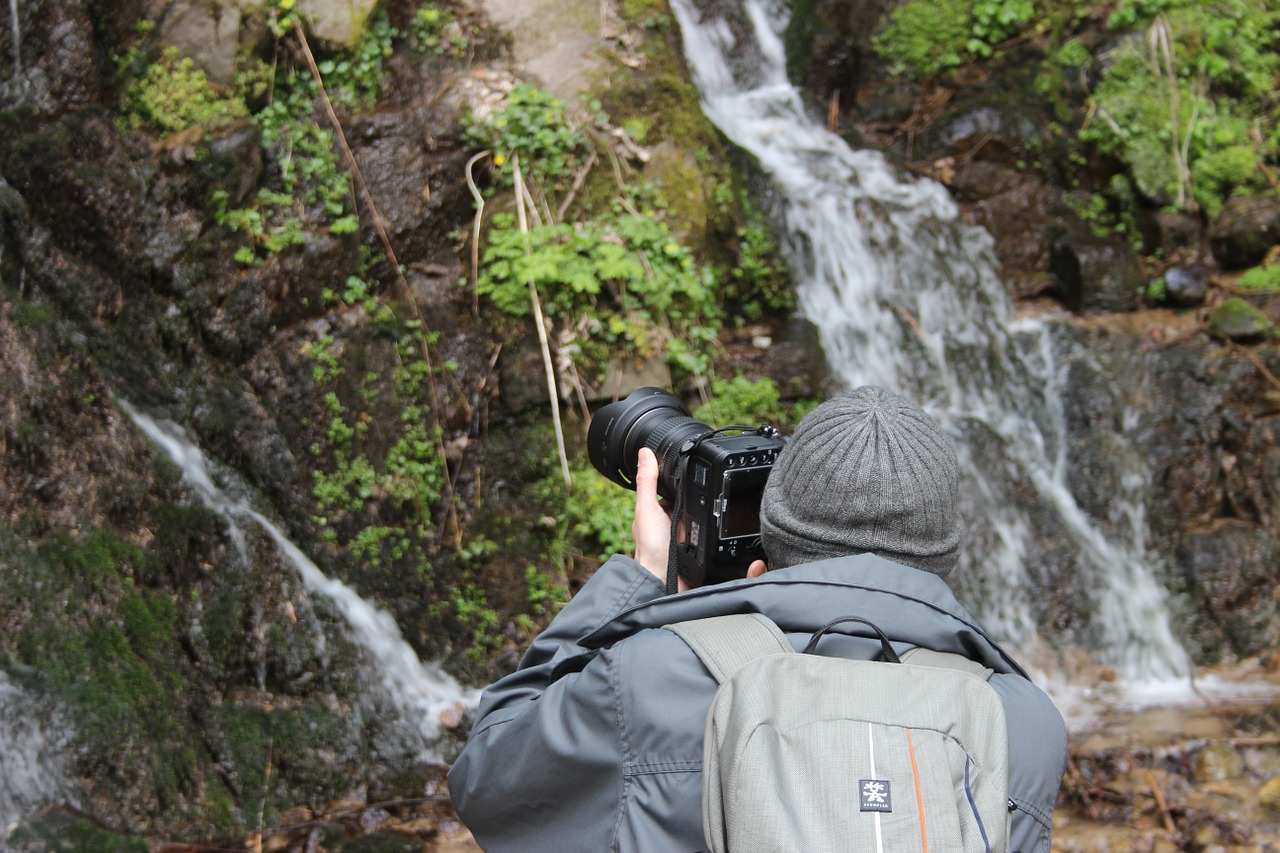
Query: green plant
{"type": "Point", "coordinates": [436, 31]}
{"type": "Point", "coordinates": [1265, 279]}
{"type": "Point", "coordinates": [543, 594]}
{"type": "Point", "coordinates": [924, 38]}
{"type": "Point", "coordinates": [532, 123]}
{"type": "Point", "coordinates": [625, 282]}
{"type": "Point", "coordinates": [759, 281]}
{"type": "Point", "coordinates": [1073, 54]}
{"type": "Point", "coordinates": [1190, 108]}
{"type": "Point", "coordinates": [600, 511]}
{"type": "Point", "coordinates": [742, 402]}
{"type": "Point", "coordinates": [172, 94]}
{"type": "Point", "coordinates": [1156, 290]}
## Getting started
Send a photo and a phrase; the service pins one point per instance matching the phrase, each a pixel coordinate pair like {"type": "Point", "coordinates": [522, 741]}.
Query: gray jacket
{"type": "Point", "coordinates": [595, 742]}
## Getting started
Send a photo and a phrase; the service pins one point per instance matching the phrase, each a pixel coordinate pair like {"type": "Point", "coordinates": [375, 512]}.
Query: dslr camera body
{"type": "Point", "coordinates": [714, 481]}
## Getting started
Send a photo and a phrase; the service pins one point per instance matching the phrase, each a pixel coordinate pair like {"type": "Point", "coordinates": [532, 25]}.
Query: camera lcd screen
{"type": "Point", "coordinates": [742, 494]}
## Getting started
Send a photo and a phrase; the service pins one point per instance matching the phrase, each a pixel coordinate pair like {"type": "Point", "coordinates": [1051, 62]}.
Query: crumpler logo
{"type": "Point", "coordinates": [876, 795]}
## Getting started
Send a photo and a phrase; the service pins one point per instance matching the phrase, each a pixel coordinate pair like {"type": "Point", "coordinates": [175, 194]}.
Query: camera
{"type": "Point", "coordinates": [715, 480]}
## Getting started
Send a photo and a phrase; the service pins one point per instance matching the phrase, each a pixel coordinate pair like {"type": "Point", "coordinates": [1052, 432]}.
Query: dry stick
{"type": "Point", "coordinates": [376, 216]}
{"type": "Point", "coordinates": [1164, 807]}
{"type": "Point", "coordinates": [475, 233]}
{"type": "Point", "coordinates": [547, 363]}
{"type": "Point", "coordinates": [1257, 362]}
{"type": "Point", "coordinates": [578, 181]}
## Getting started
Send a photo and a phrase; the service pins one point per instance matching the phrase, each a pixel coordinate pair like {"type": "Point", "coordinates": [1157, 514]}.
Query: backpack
{"type": "Point", "coordinates": [808, 753]}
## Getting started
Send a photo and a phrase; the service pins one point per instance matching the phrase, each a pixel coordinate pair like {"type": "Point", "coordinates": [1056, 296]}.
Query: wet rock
{"type": "Point", "coordinates": [1237, 320]}
{"type": "Point", "coordinates": [1186, 286]}
{"type": "Point", "coordinates": [1217, 762]}
{"type": "Point", "coordinates": [1096, 274]}
{"type": "Point", "coordinates": [1224, 569]}
{"type": "Point", "coordinates": [86, 182]}
{"type": "Point", "coordinates": [207, 32]}
{"type": "Point", "coordinates": [1021, 213]}
{"type": "Point", "coordinates": [1175, 230]}
{"type": "Point", "coordinates": [413, 162]}
{"type": "Point", "coordinates": [232, 161]}
{"type": "Point", "coordinates": [56, 59]}
{"type": "Point", "coordinates": [339, 23]}
{"type": "Point", "coordinates": [996, 129]}
{"type": "Point", "coordinates": [1247, 228]}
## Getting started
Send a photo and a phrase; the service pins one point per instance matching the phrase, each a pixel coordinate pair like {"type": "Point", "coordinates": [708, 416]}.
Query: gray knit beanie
{"type": "Point", "coordinates": [866, 471]}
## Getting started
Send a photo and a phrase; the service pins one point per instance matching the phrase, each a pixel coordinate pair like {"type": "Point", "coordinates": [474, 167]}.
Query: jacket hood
{"type": "Point", "coordinates": [911, 606]}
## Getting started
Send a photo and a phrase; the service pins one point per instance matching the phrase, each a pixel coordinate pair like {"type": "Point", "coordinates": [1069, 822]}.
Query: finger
{"type": "Point", "coordinates": [647, 474]}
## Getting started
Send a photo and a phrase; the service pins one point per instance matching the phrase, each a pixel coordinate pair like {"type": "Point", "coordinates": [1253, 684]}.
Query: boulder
{"type": "Point", "coordinates": [1245, 230]}
{"type": "Point", "coordinates": [337, 23]}
{"type": "Point", "coordinates": [208, 32]}
{"type": "Point", "coordinates": [1096, 274]}
{"type": "Point", "coordinates": [1186, 286]}
{"type": "Point", "coordinates": [1227, 571]}
{"type": "Point", "coordinates": [1237, 320]}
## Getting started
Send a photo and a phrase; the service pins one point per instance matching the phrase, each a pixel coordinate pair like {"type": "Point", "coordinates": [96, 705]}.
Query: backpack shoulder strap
{"type": "Point", "coordinates": [947, 660]}
{"type": "Point", "coordinates": [725, 643]}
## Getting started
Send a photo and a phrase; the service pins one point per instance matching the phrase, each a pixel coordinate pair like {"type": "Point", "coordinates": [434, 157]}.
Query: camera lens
{"type": "Point", "coordinates": [648, 417]}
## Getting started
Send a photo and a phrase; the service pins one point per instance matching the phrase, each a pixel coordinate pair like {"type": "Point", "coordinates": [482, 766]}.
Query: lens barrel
{"type": "Point", "coordinates": [648, 417]}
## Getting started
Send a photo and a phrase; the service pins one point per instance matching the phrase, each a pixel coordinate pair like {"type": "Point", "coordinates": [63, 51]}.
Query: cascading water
{"type": "Point", "coordinates": [907, 296]}
{"type": "Point", "coordinates": [17, 39]}
{"type": "Point", "coordinates": [421, 695]}
{"type": "Point", "coordinates": [35, 745]}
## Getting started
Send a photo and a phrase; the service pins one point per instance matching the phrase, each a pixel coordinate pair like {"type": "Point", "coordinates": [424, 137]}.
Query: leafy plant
{"type": "Point", "coordinates": [533, 124]}
{"type": "Point", "coordinates": [1190, 106]}
{"type": "Point", "coordinates": [625, 282]}
{"type": "Point", "coordinates": [436, 31]}
{"type": "Point", "coordinates": [1264, 279]}
{"type": "Point", "coordinates": [924, 38]}
{"type": "Point", "coordinates": [172, 94]}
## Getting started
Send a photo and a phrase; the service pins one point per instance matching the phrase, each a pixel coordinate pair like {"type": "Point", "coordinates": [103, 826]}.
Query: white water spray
{"type": "Point", "coordinates": [34, 747]}
{"type": "Point", "coordinates": [423, 695]}
{"type": "Point", "coordinates": [907, 296]}
{"type": "Point", "coordinates": [17, 39]}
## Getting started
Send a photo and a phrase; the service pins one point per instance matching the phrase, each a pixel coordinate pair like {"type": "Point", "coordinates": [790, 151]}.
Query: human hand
{"type": "Point", "coordinates": [651, 525]}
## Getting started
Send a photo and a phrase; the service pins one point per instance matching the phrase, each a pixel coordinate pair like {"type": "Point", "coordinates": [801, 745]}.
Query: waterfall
{"type": "Point", "coordinates": [906, 295]}
{"type": "Point", "coordinates": [422, 695]}
{"type": "Point", "coordinates": [35, 744]}
{"type": "Point", "coordinates": [17, 40]}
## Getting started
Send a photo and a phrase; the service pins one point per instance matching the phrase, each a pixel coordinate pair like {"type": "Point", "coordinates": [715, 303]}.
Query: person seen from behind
{"type": "Point", "coordinates": [595, 743]}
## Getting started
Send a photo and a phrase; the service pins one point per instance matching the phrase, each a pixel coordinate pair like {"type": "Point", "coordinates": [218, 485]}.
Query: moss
{"type": "Point", "coordinates": [1264, 279]}
{"type": "Point", "coordinates": [172, 94]}
{"type": "Point", "coordinates": [1237, 320]}
{"type": "Point", "coordinates": [96, 562]}
{"type": "Point", "coordinates": [281, 741]}
{"type": "Point", "coordinates": [180, 532]}
{"type": "Point", "coordinates": [61, 832]}
{"type": "Point", "coordinates": [111, 650]}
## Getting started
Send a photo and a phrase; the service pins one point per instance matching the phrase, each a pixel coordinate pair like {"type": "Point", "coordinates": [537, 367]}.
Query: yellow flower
{"type": "Point", "coordinates": [498, 159]}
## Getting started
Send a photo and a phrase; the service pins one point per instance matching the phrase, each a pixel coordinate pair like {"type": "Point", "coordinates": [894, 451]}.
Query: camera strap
{"type": "Point", "coordinates": [673, 557]}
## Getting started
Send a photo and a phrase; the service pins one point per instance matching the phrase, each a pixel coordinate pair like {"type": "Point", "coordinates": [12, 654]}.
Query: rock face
{"type": "Point", "coordinates": [198, 678]}
{"type": "Point", "coordinates": [192, 663]}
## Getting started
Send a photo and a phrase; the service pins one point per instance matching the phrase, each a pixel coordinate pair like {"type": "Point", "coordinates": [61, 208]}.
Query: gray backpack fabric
{"type": "Point", "coordinates": [809, 754]}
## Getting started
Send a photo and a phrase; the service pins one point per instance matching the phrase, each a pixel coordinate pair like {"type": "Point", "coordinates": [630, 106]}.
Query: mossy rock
{"type": "Point", "coordinates": [1237, 320]}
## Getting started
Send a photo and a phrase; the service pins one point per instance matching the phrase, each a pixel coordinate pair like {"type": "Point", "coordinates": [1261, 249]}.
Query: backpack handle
{"type": "Point", "coordinates": [886, 649]}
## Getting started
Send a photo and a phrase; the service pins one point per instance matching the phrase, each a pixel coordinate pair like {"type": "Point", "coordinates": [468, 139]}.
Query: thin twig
{"type": "Point", "coordinates": [376, 217]}
{"type": "Point", "coordinates": [1257, 362]}
{"type": "Point", "coordinates": [475, 233]}
{"type": "Point", "coordinates": [1164, 807]}
{"type": "Point", "coordinates": [578, 181]}
{"type": "Point", "coordinates": [521, 195]}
